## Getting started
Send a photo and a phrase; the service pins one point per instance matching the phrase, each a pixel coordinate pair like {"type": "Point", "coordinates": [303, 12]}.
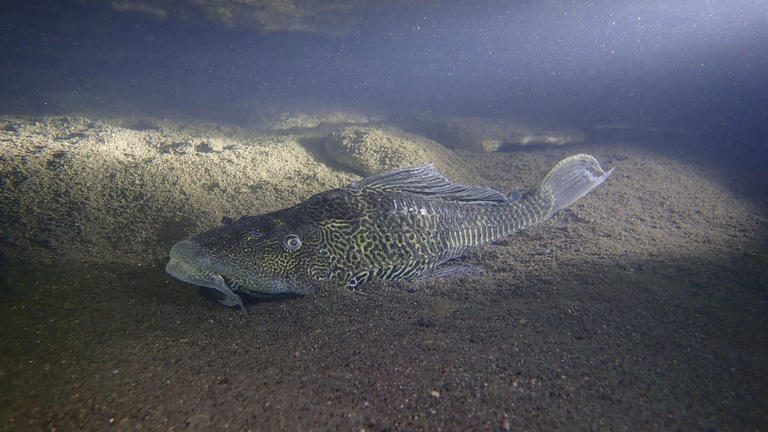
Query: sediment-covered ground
{"type": "Point", "coordinates": [643, 307]}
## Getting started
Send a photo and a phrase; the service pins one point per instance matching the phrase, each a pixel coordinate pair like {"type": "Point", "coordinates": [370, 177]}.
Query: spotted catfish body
{"type": "Point", "coordinates": [398, 225]}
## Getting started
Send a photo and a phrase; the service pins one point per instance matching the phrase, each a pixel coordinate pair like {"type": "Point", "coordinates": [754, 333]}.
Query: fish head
{"type": "Point", "coordinates": [259, 256]}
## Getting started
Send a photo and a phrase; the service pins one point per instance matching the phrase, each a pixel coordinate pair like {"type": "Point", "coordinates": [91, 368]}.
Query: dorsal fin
{"type": "Point", "coordinates": [425, 180]}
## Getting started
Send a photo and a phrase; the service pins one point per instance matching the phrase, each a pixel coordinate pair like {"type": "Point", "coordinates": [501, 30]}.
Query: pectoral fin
{"type": "Point", "coordinates": [228, 297]}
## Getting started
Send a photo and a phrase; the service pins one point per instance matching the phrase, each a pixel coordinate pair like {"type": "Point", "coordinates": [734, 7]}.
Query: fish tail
{"type": "Point", "coordinates": [571, 179]}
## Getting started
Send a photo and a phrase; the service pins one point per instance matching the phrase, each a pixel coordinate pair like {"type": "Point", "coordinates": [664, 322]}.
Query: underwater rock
{"type": "Point", "coordinates": [89, 189]}
{"type": "Point", "coordinates": [305, 16]}
{"type": "Point", "coordinates": [296, 116]}
{"type": "Point", "coordinates": [299, 120]}
{"type": "Point", "coordinates": [478, 134]}
{"type": "Point", "coordinates": [122, 190]}
{"type": "Point", "coordinates": [370, 150]}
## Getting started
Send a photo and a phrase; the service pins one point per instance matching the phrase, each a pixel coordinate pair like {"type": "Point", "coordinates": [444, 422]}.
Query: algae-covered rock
{"type": "Point", "coordinates": [370, 150]}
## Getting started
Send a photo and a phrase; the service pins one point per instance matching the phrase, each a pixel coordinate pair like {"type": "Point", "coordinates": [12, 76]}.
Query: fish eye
{"type": "Point", "coordinates": [292, 242]}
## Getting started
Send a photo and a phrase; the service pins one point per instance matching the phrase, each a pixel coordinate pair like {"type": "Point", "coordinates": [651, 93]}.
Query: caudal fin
{"type": "Point", "coordinates": [571, 179]}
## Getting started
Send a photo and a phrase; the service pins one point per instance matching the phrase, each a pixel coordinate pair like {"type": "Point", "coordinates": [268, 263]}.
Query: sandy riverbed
{"type": "Point", "coordinates": [643, 307]}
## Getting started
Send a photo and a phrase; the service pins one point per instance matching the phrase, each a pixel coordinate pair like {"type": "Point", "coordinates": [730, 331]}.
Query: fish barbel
{"type": "Point", "coordinates": [398, 225]}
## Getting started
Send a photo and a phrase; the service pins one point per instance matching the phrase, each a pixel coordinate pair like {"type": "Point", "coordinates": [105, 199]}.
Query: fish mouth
{"type": "Point", "coordinates": [188, 265]}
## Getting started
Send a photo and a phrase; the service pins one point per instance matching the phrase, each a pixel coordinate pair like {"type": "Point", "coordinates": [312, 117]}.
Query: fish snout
{"type": "Point", "coordinates": [185, 262]}
{"type": "Point", "coordinates": [188, 263]}
{"type": "Point", "coordinates": [186, 250]}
